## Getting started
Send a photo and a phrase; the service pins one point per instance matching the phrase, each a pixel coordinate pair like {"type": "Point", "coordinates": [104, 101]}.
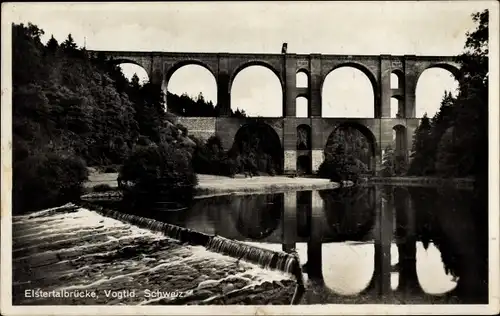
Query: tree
{"type": "Point", "coordinates": [158, 172]}
{"type": "Point", "coordinates": [388, 162]}
{"type": "Point", "coordinates": [69, 46]}
{"type": "Point", "coordinates": [422, 161]}
{"type": "Point", "coordinates": [52, 44]}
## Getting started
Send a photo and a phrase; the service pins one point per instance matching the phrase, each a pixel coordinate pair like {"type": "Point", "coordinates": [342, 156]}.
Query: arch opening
{"type": "Point", "coordinates": [303, 137]}
{"type": "Point", "coordinates": [192, 91]}
{"type": "Point", "coordinates": [348, 92]}
{"type": "Point", "coordinates": [397, 80]}
{"type": "Point", "coordinates": [131, 69]}
{"type": "Point", "coordinates": [302, 79]}
{"type": "Point", "coordinates": [431, 85]}
{"type": "Point", "coordinates": [257, 90]}
{"type": "Point", "coordinates": [302, 107]}
{"type": "Point", "coordinates": [397, 107]}
{"type": "Point", "coordinates": [257, 148]}
{"type": "Point", "coordinates": [355, 144]}
{"type": "Point", "coordinates": [304, 164]}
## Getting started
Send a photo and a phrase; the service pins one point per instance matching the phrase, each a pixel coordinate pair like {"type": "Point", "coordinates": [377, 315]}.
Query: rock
{"type": "Point", "coordinates": [227, 288]}
{"type": "Point", "coordinates": [207, 284]}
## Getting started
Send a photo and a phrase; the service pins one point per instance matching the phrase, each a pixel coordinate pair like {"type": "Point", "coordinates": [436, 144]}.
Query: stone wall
{"type": "Point", "coordinates": [317, 159]}
{"type": "Point", "coordinates": [290, 163]}
{"type": "Point", "coordinates": [199, 127]}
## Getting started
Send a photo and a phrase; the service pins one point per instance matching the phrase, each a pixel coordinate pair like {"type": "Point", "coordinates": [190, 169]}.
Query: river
{"type": "Point", "coordinates": [368, 244]}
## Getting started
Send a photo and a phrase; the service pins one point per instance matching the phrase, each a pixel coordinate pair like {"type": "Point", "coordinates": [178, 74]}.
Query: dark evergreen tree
{"type": "Point", "coordinates": [422, 162]}
{"type": "Point", "coordinates": [52, 45]}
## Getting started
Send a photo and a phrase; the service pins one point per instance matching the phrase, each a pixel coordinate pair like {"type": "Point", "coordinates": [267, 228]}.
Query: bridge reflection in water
{"type": "Point", "coordinates": [360, 244]}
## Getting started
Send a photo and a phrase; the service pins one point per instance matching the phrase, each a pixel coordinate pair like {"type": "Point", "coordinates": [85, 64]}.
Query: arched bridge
{"type": "Point", "coordinates": [378, 68]}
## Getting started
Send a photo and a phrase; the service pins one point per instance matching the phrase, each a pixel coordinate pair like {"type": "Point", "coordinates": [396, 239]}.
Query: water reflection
{"type": "Point", "coordinates": [361, 244]}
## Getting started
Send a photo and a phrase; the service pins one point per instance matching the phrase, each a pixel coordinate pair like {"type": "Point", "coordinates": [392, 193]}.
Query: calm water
{"type": "Point", "coordinates": [361, 244]}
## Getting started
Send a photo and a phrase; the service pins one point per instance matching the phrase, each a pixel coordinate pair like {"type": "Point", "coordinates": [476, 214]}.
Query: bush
{"type": "Point", "coordinates": [158, 171]}
{"type": "Point", "coordinates": [183, 129]}
{"type": "Point", "coordinates": [329, 169]}
{"type": "Point", "coordinates": [337, 170]}
{"type": "Point", "coordinates": [47, 180]}
{"type": "Point", "coordinates": [171, 117]}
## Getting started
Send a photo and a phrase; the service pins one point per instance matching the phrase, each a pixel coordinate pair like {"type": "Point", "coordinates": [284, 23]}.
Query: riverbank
{"type": "Point", "coordinates": [461, 183]}
{"type": "Point", "coordinates": [79, 250]}
{"type": "Point", "coordinates": [211, 185]}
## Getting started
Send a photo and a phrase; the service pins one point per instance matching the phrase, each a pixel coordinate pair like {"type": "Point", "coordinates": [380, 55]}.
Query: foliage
{"type": "Point", "coordinates": [46, 180]}
{"type": "Point", "coordinates": [393, 164]}
{"type": "Point", "coordinates": [455, 143]}
{"type": "Point", "coordinates": [158, 171]}
{"type": "Point", "coordinates": [71, 104]}
{"type": "Point", "coordinates": [210, 158]}
{"type": "Point", "coordinates": [341, 165]}
{"type": "Point", "coordinates": [388, 162]}
{"type": "Point", "coordinates": [422, 162]}
{"type": "Point", "coordinates": [347, 155]}
{"type": "Point", "coordinates": [249, 155]}
{"type": "Point", "coordinates": [187, 106]}
{"type": "Point", "coordinates": [257, 148]}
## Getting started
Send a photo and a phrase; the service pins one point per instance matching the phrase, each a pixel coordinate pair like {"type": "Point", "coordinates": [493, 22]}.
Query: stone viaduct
{"type": "Point", "coordinates": [160, 66]}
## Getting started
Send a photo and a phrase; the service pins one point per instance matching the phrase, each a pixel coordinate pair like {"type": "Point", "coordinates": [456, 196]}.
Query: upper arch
{"type": "Point", "coordinates": [452, 68]}
{"type": "Point", "coordinates": [363, 68]}
{"type": "Point", "coordinates": [251, 63]}
{"type": "Point", "coordinates": [187, 62]}
{"type": "Point", "coordinates": [118, 61]}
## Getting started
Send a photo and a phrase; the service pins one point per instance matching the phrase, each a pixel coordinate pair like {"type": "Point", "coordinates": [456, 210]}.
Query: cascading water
{"type": "Point", "coordinates": [268, 259]}
{"type": "Point", "coordinates": [265, 258]}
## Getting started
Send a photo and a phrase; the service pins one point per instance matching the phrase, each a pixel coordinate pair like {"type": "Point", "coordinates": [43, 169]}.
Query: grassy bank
{"type": "Point", "coordinates": [210, 185]}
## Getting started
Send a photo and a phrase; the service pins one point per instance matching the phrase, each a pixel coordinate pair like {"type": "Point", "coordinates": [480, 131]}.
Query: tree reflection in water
{"type": "Point", "coordinates": [446, 217]}
{"type": "Point", "coordinates": [350, 213]}
{"type": "Point", "coordinates": [258, 216]}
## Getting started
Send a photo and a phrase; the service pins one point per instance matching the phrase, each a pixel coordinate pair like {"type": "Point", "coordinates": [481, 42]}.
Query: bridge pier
{"type": "Point", "coordinates": [383, 241]}
{"type": "Point", "coordinates": [315, 243]}
{"type": "Point", "coordinates": [289, 221]}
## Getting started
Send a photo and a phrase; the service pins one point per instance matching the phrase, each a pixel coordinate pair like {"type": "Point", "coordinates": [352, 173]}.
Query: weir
{"type": "Point", "coordinates": [268, 259]}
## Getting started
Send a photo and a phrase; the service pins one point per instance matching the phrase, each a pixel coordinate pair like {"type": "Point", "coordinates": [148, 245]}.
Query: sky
{"type": "Point", "coordinates": [365, 28]}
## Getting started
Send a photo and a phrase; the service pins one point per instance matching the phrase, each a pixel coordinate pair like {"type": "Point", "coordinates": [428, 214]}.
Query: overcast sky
{"type": "Point", "coordinates": [422, 28]}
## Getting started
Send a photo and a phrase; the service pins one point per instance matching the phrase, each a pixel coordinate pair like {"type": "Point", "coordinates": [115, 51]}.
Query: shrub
{"type": "Point", "coordinates": [47, 180]}
{"type": "Point", "coordinates": [143, 141]}
{"type": "Point", "coordinates": [158, 171]}
{"type": "Point", "coordinates": [329, 169]}
{"type": "Point", "coordinates": [171, 117]}
{"type": "Point", "coordinates": [345, 168]}
{"type": "Point", "coordinates": [183, 129]}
